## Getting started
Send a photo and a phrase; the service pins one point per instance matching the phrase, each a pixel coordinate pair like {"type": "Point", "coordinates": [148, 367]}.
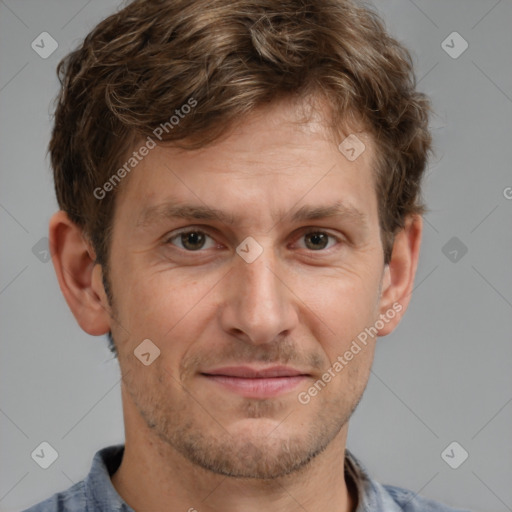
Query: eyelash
{"type": "Point", "coordinates": [304, 233]}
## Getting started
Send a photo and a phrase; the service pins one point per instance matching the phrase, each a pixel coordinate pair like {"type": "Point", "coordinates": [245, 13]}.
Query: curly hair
{"type": "Point", "coordinates": [138, 65]}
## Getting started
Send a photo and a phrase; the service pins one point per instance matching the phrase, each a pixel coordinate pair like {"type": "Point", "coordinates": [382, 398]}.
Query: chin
{"type": "Point", "coordinates": [258, 448]}
{"type": "Point", "coordinates": [254, 457]}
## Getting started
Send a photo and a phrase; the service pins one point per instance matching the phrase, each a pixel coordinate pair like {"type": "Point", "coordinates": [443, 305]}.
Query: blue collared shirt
{"type": "Point", "coordinates": [97, 494]}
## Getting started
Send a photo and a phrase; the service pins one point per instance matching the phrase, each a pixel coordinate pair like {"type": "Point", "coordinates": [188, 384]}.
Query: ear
{"type": "Point", "coordinates": [80, 278]}
{"type": "Point", "coordinates": [398, 278]}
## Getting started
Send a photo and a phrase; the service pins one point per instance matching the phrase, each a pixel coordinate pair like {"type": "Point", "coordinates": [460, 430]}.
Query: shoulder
{"type": "Point", "coordinates": [94, 493]}
{"type": "Point", "coordinates": [70, 500]}
{"type": "Point", "coordinates": [376, 497]}
{"type": "Point", "coordinates": [409, 501]}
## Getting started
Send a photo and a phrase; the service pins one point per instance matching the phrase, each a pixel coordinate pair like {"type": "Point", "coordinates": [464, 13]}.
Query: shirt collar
{"type": "Point", "coordinates": [102, 496]}
{"type": "Point", "coordinates": [100, 493]}
{"type": "Point", "coordinates": [371, 495]}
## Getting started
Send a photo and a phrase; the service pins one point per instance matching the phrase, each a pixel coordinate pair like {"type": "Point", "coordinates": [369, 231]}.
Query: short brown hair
{"type": "Point", "coordinates": [145, 61]}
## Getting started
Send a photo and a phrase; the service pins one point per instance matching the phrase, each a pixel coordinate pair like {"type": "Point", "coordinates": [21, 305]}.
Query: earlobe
{"type": "Point", "coordinates": [78, 275]}
{"type": "Point", "coordinates": [398, 279]}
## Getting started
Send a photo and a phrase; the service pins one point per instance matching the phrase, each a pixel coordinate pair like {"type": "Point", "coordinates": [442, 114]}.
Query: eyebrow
{"type": "Point", "coordinates": [323, 212]}
{"type": "Point", "coordinates": [172, 210]}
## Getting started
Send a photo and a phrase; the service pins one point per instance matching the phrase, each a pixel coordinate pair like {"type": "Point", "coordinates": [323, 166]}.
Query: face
{"type": "Point", "coordinates": [251, 304]}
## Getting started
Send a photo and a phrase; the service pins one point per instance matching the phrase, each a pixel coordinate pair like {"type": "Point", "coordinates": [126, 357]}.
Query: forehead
{"type": "Point", "coordinates": [278, 157]}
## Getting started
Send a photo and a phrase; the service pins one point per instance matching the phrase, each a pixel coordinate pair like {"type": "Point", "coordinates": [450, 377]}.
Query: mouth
{"type": "Point", "coordinates": [252, 382]}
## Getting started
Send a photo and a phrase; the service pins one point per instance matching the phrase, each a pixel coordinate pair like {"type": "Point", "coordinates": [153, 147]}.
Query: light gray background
{"type": "Point", "coordinates": [444, 375]}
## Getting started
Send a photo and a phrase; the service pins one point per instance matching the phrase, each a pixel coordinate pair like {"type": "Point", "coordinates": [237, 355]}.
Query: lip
{"type": "Point", "coordinates": [252, 382]}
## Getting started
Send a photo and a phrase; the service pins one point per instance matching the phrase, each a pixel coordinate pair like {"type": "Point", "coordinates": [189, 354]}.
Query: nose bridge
{"type": "Point", "coordinates": [259, 280]}
{"type": "Point", "coordinates": [258, 304]}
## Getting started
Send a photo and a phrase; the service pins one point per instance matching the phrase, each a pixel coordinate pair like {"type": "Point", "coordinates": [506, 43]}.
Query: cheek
{"type": "Point", "coordinates": [160, 305]}
{"type": "Point", "coordinates": [339, 308]}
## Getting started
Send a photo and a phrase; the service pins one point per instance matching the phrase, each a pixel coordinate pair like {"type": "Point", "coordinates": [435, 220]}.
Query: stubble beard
{"type": "Point", "coordinates": [196, 434]}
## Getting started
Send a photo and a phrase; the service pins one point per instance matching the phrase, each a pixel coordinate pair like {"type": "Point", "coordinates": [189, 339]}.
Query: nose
{"type": "Point", "coordinates": [259, 306]}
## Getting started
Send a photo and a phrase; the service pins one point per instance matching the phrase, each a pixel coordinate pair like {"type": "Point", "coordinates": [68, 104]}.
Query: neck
{"type": "Point", "coordinates": [154, 476]}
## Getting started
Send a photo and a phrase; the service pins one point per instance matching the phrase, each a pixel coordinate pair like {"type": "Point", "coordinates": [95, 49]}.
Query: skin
{"type": "Point", "coordinates": [190, 442]}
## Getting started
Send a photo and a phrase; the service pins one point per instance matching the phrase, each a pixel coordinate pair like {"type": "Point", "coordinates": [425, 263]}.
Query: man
{"type": "Point", "coordinates": [239, 189]}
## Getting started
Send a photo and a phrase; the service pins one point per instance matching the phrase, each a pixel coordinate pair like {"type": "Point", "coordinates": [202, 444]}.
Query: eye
{"type": "Point", "coordinates": [318, 240]}
{"type": "Point", "coordinates": [192, 240]}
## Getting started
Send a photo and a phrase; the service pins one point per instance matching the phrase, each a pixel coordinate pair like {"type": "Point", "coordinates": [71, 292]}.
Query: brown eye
{"type": "Point", "coordinates": [318, 240]}
{"type": "Point", "coordinates": [193, 240]}
{"type": "Point", "coordinates": [190, 240]}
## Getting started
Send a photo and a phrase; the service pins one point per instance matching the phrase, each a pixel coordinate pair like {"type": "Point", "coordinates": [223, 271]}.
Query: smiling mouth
{"type": "Point", "coordinates": [256, 383]}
